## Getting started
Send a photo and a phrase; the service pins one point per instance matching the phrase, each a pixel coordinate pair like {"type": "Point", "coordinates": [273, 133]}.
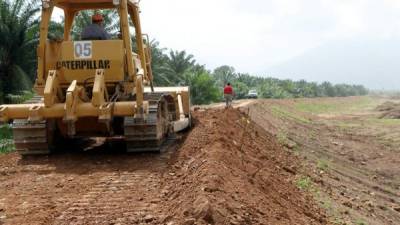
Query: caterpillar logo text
{"type": "Point", "coordinates": [83, 64]}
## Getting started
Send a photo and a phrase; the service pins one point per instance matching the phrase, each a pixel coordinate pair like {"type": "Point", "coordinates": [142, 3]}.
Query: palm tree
{"type": "Point", "coordinates": [224, 75]}
{"type": "Point", "coordinates": [17, 55]}
{"type": "Point", "coordinates": [178, 63]}
{"type": "Point", "coordinates": [159, 64]}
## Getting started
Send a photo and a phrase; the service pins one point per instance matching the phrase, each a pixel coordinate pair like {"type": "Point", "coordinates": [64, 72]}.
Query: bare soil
{"type": "Point", "coordinates": [351, 154]}
{"type": "Point", "coordinates": [226, 170]}
{"type": "Point", "coordinates": [390, 110]}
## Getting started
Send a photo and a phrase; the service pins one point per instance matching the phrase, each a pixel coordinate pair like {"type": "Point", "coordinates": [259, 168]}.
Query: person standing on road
{"type": "Point", "coordinates": [228, 95]}
{"type": "Point", "coordinates": [95, 31]}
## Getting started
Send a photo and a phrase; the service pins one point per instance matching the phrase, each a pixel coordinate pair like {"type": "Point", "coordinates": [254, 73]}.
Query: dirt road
{"type": "Point", "coordinates": [226, 170]}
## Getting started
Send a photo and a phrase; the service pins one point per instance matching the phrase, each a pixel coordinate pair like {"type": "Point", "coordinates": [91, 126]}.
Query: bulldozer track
{"type": "Point", "coordinates": [149, 133]}
{"type": "Point", "coordinates": [114, 199]}
{"type": "Point", "coordinates": [31, 138]}
{"type": "Point", "coordinates": [129, 197]}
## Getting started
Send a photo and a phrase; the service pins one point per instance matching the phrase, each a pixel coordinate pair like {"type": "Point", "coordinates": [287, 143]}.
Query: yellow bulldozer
{"type": "Point", "coordinates": [96, 88]}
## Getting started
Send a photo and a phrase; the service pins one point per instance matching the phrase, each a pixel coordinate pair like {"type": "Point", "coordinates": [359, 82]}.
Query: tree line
{"type": "Point", "coordinates": [19, 32]}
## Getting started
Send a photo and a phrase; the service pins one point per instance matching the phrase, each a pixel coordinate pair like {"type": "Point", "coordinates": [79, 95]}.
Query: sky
{"type": "Point", "coordinates": [254, 35]}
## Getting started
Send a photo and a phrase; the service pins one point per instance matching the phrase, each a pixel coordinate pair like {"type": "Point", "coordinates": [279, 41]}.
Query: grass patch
{"type": "Point", "coordinates": [325, 202]}
{"type": "Point", "coordinates": [335, 105]}
{"type": "Point", "coordinates": [384, 122]}
{"type": "Point", "coordinates": [6, 142]}
{"type": "Point", "coordinates": [315, 107]}
{"type": "Point", "coordinates": [20, 98]}
{"type": "Point", "coordinates": [323, 165]}
{"type": "Point", "coordinates": [5, 132]}
{"type": "Point", "coordinates": [296, 150]}
{"type": "Point", "coordinates": [338, 221]}
{"type": "Point", "coordinates": [282, 137]}
{"type": "Point", "coordinates": [282, 113]}
{"type": "Point", "coordinates": [361, 222]}
{"type": "Point", "coordinates": [304, 183]}
{"type": "Point", "coordinates": [6, 146]}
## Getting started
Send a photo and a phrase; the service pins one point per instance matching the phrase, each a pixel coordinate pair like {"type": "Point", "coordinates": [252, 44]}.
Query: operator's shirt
{"type": "Point", "coordinates": [228, 90]}
{"type": "Point", "coordinates": [94, 32]}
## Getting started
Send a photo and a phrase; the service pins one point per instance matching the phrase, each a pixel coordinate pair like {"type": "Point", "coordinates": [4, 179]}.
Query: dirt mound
{"type": "Point", "coordinates": [229, 171]}
{"type": "Point", "coordinates": [390, 110]}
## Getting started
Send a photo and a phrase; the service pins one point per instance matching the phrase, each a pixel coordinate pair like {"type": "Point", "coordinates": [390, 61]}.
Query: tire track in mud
{"type": "Point", "coordinates": [124, 198]}
{"type": "Point", "coordinates": [129, 197]}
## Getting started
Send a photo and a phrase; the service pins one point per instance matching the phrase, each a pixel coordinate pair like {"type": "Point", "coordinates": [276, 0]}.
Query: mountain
{"type": "Point", "coordinates": [373, 63]}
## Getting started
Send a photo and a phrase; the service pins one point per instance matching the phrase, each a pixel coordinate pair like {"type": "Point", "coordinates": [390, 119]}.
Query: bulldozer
{"type": "Point", "coordinates": [96, 88]}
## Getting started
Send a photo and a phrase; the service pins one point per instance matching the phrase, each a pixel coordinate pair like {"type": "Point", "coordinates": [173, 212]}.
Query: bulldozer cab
{"type": "Point", "coordinates": [78, 59]}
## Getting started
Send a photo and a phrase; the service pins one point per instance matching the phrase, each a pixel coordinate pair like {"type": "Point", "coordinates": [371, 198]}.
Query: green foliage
{"type": "Point", "coordinates": [17, 47]}
{"type": "Point", "coordinates": [6, 146]}
{"type": "Point", "coordinates": [19, 98]}
{"type": "Point", "coordinates": [241, 89]}
{"type": "Point", "coordinates": [284, 113]}
{"type": "Point", "coordinates": [56, 31]}
{"type": "Point", "coordinates": [270, 88]}
{"type": "Point", "coordinates": [224, 75]}
{"type": "Point", "coordinates": [282, 137]}
{"type": "Point", "coordinates": [334, 106]}
{"type": "Point", "coordinates": [6, 142]}
{"type": "Point", "coordinates": [159, 64]}
{"type": "Point", "coordinates": [5, 132]}
{"type": "Point", "coordinates": [361, 222]}
{"type": "Point", "coordinates": [178, 65]}
{"type": "Point", "coordinates": [180, 69]}
{"type": "Point", "coordinates": [304, 183]}
{"type": "Point", "coordinates": [203, 89]}
{"type": "Point", "coordinates": [322, 165]}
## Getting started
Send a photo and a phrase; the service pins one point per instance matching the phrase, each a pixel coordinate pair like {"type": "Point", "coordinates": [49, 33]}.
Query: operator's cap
{"type": "Point", "coordinates": [97, 17]}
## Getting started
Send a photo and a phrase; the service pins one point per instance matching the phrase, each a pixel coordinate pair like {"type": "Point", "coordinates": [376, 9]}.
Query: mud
{"type": "Point", "coordinates": [226, 170]}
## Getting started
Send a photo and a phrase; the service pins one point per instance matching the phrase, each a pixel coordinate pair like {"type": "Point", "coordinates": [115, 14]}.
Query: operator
{"type": "Point", "coordinates": [95, 31]}
{"type": "Point", "coordinates": [228, 95]}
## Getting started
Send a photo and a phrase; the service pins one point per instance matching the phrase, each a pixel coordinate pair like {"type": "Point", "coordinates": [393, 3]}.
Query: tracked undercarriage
{"type": "Point", "coordinates": [149, 133]}
{"type": "Point", "coordinates": [32, 138]}
{"type": "Point", "coordinates": [140, 134]}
